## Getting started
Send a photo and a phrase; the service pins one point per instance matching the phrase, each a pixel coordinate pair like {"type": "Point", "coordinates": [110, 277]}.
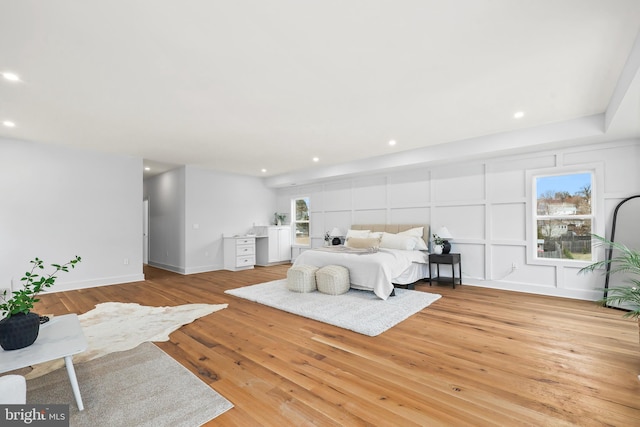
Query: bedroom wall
{"type": "Point", "coordinates": [218, 203]}
{"type": "Point", "coordinates": [483, 203]}
{"type": "Point", "coordinates": [58, 202]}
{"type": "Point", "coordinates": [190, 208]}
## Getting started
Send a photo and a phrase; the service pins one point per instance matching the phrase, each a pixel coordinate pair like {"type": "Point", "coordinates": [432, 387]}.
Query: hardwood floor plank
{"type": "Point", "coordinates": [475, 357]}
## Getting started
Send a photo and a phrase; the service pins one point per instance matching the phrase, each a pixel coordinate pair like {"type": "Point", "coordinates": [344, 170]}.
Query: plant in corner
{"type": "Point", "coordinates": [20, 326]}
{"type": "Point", "coordinates": [623, 260]}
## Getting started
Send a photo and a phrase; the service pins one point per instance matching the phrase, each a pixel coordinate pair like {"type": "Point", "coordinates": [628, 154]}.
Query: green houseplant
{"type": "Point", "coordinates": [623, 260]}
{"type": "Point", "coordinates": [438, 244]}
{"type": "Point", "coordinates": [279, 218]}
{"type": "Point", "coordinates": [20, 326]}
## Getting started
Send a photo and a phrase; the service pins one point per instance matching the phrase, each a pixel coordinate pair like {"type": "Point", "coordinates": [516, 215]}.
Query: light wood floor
{"type": "Point", "coordinates": [476, 357]}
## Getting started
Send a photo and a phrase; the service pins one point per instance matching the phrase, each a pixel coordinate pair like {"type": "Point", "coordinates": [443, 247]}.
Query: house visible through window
{"type": "Point", "coordinates": [300, 221]}
{"type": "Point", "coordinates": [564, 216]}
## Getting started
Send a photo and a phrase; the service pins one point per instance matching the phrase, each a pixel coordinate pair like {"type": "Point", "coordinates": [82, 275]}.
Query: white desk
{"type": "Point", "coordinates": [61, 337]}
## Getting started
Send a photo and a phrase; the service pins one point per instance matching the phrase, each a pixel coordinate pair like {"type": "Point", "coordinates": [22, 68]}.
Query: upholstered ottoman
{"type": "Point", "coordinates": [333, 279]}
{"type": "Point", "coordinates": [302, 278]}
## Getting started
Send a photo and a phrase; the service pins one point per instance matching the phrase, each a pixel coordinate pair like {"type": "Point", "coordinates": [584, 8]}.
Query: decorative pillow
{"type": "Point", "coordinates": [417, 234]}
{"type": "Point", "coordinates": [421, 245]}
{"type": "Point", "coordinates": [360, 243]}
{"type": "Point", "coordinates": [397, 241]}
{"type": "Point", "coordinates": [376, 235]}
{"type": "Point", "coordinates": [361, 234]}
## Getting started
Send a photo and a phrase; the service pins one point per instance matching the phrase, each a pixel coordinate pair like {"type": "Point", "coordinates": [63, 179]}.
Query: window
{"type": "Point", "coordinates": [564, 215]}
{"type": "Point", "coordinates": [300, 222]}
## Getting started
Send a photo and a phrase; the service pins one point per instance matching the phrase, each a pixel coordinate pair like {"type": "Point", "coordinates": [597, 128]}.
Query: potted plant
{"type": "Point", "coordinates": [279, 218]}
{"type": "Point", "coordinates": [438, 244]}
{"type": "Point", "coordinates": [20, 326]}
{"type": "Point", "coordinates": [623, 260]}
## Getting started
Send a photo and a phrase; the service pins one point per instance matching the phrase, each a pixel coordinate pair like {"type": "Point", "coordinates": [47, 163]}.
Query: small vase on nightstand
{"type": "Point", "coordinates": [437, 249]}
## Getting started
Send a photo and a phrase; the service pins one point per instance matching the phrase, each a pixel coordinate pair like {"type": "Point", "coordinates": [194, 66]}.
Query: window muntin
{"type": "Point", "coordinates": [564, 216]}
{"type": "Point", "coordinates": [300, 223]}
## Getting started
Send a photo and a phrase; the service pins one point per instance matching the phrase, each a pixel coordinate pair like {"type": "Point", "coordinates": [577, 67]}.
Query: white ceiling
{"type": "Point", "coordinates": [243, 85]}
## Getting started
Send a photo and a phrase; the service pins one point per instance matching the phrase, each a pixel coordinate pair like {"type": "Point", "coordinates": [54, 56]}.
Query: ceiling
{"type": "Point", "coordinates": [242, 86]}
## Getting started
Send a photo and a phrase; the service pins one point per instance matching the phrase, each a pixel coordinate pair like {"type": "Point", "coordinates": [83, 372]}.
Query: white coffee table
{"type": "Point", "coordinates": [61, 337]}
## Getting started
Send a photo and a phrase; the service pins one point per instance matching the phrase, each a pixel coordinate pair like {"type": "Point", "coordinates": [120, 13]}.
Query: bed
{"type": "Point", "coordinates": [379, 270]}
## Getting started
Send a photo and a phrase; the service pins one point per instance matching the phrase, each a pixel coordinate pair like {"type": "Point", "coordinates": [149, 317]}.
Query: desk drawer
{"type": "Point", "coordinates": [242, 250]}
{"type": "Point", "coordinates": [243, 261]}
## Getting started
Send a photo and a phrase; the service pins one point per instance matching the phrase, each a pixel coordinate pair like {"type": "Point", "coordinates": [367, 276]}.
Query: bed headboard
{"type": "Point", "coordinates": [394, 228]}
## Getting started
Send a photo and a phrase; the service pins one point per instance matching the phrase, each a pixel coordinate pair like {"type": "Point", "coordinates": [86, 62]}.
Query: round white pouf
{"type": "Point", "coordinates": [302, 278]}
{"type": "Point", "coordinates": [333, 279]}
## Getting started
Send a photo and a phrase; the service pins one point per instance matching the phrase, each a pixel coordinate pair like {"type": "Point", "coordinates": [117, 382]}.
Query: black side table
{"type": "Point", "coordinates": [452, 259]}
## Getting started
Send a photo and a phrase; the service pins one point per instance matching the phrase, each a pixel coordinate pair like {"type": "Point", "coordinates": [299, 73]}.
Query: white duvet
{"type": "Point", "coordinates": [372, 271]}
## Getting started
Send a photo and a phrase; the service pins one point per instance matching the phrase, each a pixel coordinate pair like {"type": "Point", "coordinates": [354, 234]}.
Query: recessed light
{"type": "Point", "coordinates": [147, 168]}
{"type": "Point", "coordinates": [392, 142]}
{"type": "Point", "coordinates": [12, 77]}
{"type": "Point", "coordinates": [9, 124]}
{"type": "Point", "coordinates": [263, 170]}
{"type": "Point", "coordinates": [316, 159]}
{"type": "Point", "coordinates": [518, 115]}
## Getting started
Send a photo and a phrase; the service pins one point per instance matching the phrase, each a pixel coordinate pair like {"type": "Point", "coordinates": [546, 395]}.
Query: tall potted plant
{"type": "Point", "coordinates": [623, 260]}
{"type": "Point", "coordinates": [20, 326]}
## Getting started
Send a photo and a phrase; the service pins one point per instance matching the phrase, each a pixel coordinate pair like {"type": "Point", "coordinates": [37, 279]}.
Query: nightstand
{"type": "Point", "coordinates": [451, 259]}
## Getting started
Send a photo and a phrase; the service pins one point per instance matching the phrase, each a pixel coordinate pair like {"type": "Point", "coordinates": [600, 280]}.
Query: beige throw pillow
{"type": "Point", "coordinates": [362, 243]}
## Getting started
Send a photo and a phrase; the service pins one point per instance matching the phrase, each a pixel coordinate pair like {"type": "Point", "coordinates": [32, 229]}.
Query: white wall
{"type": "Point", "coordinates": [483, 203]}
{"type": "Point", "coordinates": [190, 209]}
{"type": "Point", "coordinates": [220, 203]}
{"type": "Point", "coordinates": [58, 202]}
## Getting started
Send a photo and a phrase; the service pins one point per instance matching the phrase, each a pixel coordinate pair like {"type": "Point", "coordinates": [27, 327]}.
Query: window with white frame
{"type": "Point", "coordinates": [564, 215]}
{"type": "Point", "coordinates": [300, 221]}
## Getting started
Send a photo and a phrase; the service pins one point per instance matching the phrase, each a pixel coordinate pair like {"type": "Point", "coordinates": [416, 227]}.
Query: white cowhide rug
{"type": "Point", "coordinates": [115, 326]}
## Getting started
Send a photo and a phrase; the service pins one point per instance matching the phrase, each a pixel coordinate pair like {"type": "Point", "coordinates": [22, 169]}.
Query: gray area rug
{"type": "Point", "coordinates": [139, 387]}
{"type": "Point", "coordinates": [359, 311]}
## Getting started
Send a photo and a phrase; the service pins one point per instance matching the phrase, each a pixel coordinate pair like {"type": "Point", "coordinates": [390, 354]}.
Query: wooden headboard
{"type": "Point", "coordinates": [394, 228]}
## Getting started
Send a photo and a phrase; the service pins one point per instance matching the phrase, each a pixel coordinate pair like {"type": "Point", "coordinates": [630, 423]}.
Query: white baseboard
{"type": "Point", "coordinates": [203, 269]}
{"type": "Point", "coordinates": [116, 280]}
{"type": "Point", "coordinates": [581, 294]}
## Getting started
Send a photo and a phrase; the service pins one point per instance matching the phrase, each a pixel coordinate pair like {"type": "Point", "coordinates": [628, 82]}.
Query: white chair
{"type": "Point", "coordinates": [13, 390]}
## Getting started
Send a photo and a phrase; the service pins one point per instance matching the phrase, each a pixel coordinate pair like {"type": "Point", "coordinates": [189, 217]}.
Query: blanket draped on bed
{"type": "Point", "coordinates": [370, 271]}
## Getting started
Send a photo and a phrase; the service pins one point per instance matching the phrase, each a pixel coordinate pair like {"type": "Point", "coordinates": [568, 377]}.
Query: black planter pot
{"type": "Point", "coordinates": [19, 331]}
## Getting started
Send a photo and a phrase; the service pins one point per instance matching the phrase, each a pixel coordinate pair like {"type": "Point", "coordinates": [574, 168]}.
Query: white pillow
{"type": "Point", "coordinates": [360, 234]}
{"type": "Point", "coordinates": [397, 241]}
{"type": "Point", "coordinates": [421, 245]}
{"type": "Point", "coordinates": [416, 233]}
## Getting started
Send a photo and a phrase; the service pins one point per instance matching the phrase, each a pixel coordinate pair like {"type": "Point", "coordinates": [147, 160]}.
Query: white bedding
{"type": "Point", "coordinates": [374, 271]}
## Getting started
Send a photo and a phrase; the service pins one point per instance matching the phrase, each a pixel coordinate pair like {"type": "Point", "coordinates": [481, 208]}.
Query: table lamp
{"type": "Point", "coordinates": [336, 234]}
{"type": "Point", "coordinates": [445, 235]}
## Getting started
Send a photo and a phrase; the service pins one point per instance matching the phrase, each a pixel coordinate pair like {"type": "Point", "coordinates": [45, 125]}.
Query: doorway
{"type": "Point", "coordinates": [145, 231]}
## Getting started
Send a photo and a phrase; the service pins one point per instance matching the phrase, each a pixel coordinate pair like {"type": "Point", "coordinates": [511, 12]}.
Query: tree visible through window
{"type": "Point", "coordinates": [300, 215]}
{"type": "Point", "coordinates": [564, 216]}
